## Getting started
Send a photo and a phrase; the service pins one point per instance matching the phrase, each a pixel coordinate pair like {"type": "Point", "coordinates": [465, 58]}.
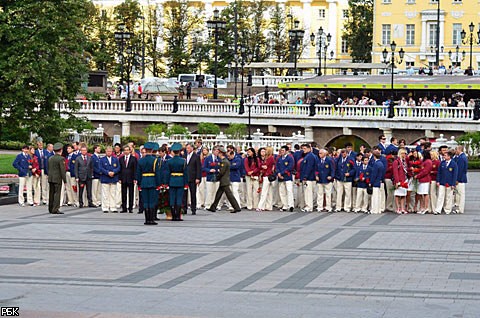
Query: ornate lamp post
{"type": "Point", "coordinates": [401, 54]}
{"type": "Point", "coordinates": [323, 41]}
{"type": "Point", "coordinates": [215, 26]}
{"type": "Point", "coordinates": [296, 37]}
{"type": "Point", "coordinates": [122, 37]}
{"type": "Point", "coordinates": [457, 54]}
{"type": "Point", "coordinates": [243, 60]}
{"type": "Point", "coordinates": [470, 39]}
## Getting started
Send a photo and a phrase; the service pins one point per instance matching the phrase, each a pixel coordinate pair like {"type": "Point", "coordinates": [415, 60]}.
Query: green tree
{"type": "Point", "coordinates": [256, 39]}
{"type": "Point", "coordinates": [42, 61]}
{"type": "Point", "coordinates": [208, 129]}
{"type": "Point", "coordinates": [101, 41]}
{"type": "Point", "coordinates": [176, 129]}
{"type": "Point", "coordinates": [277, 46]}
{"type": "Point", "coordinates": [236, 130]}
{"type": "Point", "coordinates": [181, 18]}
{"type": "Point", "coordinates": [153, 60]}
{"type": "Point", "coordinates": [359, 30]}
{"type": "Point", "coordinates": [155, 129]}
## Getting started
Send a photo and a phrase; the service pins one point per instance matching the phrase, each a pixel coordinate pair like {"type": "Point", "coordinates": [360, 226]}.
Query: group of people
{"type": "Point", "coordinates": [388, 177]}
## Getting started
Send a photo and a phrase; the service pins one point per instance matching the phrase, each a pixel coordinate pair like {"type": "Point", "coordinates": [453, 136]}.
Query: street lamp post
{"type": "Point", "coordinates": [322, 43]}
{"type": "Point", "coordinates": [243, 59]}
{"type": "Point", "coordinates": [457, 53]}
{"type": "Point", "coordinates": [121, 37]}
{"type": "Point", "coordinates": [296, 35]}
{"type": "Point", "coordinates": [470, 39]}
{"type": "Point", "coordinates": [401, 54]}
{"type": "Point", "coordinates": [216, 25]}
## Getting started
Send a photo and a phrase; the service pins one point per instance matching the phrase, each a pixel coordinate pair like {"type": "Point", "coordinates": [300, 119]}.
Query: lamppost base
{"type": "Point", "coordinates": [128, 105]}
{"type": "Point", "coordinates": [215, 93]}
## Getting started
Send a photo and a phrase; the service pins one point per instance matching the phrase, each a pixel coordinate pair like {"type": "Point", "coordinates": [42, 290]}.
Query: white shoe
{"type": "Point", "coordinates": [21, 204]}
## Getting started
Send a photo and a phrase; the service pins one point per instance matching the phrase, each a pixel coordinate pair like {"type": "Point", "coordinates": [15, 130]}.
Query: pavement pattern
{"type": "Point", "coordinates": [271, 264]}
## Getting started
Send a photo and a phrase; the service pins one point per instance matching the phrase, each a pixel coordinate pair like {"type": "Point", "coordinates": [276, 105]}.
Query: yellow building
{"type": "Point", "coordinates": [312, 14]}
{"type": "Point", "coordinates": [412, 24]}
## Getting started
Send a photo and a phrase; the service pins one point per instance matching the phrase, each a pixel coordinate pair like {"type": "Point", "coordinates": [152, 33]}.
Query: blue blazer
{"type": "Point", "coordinates": [366, 174]}
{"type": "Point", "coordinates": [21, 164]}
{"type": "Point", "coordinates": [43, 163]}
{"type": "Point", "coordinates": [308, 167]}
{"type": "Point", "coordinates": [342, 167]}
{"type": "Point", "coordinates": [462, 164]}
{"type": "Point", "coordinates": [71, 163]}
{"type": "Point", "coordinates": [210, 164]}
{"type": "Point", "coordinates": [106, 167]}
{"type": "Point", "coordinates": [285, 167]}
{"type": "Point", "coordinates": [236, 166]}
{"type": "Point", "coordinates": [96, 166]}
{"type": "Point", "coordinates": [382, 148]}
{"type": "Point", "coordinates": [390, 149]}
{"type": "Point", "coordinates": [447, 174]}
{"type": "Point", "coordinates": [378, 171]}
{"type": "Point", "coordinates": [325, 170]}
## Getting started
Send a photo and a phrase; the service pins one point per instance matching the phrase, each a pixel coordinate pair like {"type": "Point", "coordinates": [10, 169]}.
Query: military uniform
{"type": "Point", "coordinates": [177, 180]}
{"type": "Point", "coordinates": [224, 177]}
{"type": "Point", "coordinates": [149, 180]}
{"type": "Point", "coordinates": [56, 175]}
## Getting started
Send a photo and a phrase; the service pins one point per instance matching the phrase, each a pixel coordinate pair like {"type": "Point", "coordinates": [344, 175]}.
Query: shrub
{"type": "Point", "coordinates": [208, 129]}
{"type": "Point", "coordinates": [474, 164]}
{"type": "Point", "coordinates": [236, 130]}
{"type": "Point", "coordinates": [12, 145]}
{"type": "Point", "coordinates": [156, 129]}
{"type": "Point", "coordinates": [176, 130]}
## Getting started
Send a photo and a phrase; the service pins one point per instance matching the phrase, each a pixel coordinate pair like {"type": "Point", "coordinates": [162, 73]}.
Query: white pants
{"type": "Point", "coordinates": [266, 198]}
{"type": "Point", "coordinates": [37, 189]}
{"type": "Point", "coordinates": [460, 197]}
{"type": "Point", "coordinates": [444, 200]}
{"type": "Point", "coordinates": [62, 194]}
{"type": "Point", "coordinates": [252, 194]}
{"type": "Point", "coordinates": [300, 203]}
{"type": "Point", "coordinates": [109, 200]}
{"type": "Point", "coordinates": [344, 187]}
{"type": "Point", "coordinates": [325, 189]}
{"type": "Point", "coordinates": [44, 186]}
{"type": "Point", "coordinates": [72, 196]}
{"type": "Point", "coordinates": [361, 200]}
{"type": "Point", "coordinates": [201, 193]}
{"type": "Point", "coordinates": [383, 199]}
{"type": "Point", "coordinates": [433, 196]}
{"type": "Point", "coordinates": [376, 200]}
{"type": "Point", "coordinates": [243, 194]}
{"type": "Point", "coordinates": [275, 193]}
{"type": "Point", "coordinates": [22, 182]}
{"type": "Point", "coordinates": [285, 189]}
{"type": "Point", "coordinates": [212, 188]}
{"type": "Point", "coordinates": [390, 200]}
{"type": "Point", "coordinates": [96, 192]}
{"type": "Point", "coordinates": [236, 193]}
{"type": "Point", "coordinates": [308, 190]}
{"type": "Point", "coordinates": [118, 196]}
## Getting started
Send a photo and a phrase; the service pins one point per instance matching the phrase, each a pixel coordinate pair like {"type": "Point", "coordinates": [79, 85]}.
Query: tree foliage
{"type": "Point", "coordinates": [208, 128]}
{"type": "Point", "coordinates": [278, 48]}
{"type": "Point", "coordinates": [42, 61]}
{"type": "Point", "coordinates": [236, 130]}
{"type": "Point", "coordinates": [359, 30]}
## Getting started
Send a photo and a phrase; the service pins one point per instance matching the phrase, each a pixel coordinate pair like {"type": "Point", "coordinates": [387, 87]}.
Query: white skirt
{"type": "Point", "coordinates": [400, 192]}
{"type": "Point", "coordinates": [423, 188]}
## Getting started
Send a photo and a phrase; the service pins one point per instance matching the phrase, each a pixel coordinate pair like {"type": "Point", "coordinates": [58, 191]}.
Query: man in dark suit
{"type": "Point", "coordinates": [128, 168]}
{"type": "Point", "coordinates": [84, 176]}
{"type": "Point", "coordinates": [56, 168]}
{"type": "Point", "coordinates": [194, 168]}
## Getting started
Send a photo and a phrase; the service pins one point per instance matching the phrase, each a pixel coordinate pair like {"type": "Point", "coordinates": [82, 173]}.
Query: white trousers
{"type": "Point", "coordinates": [72, 196]}
{"type": "Point", "coordinates": [308, 190]}
{"type": "Point", "coordinates": [22, 182]}
{"type": "Point", "coordinates": [376, 201]}
{"type": "Point", "coordinates": [383, 198]}
{"type": "Point", "coordinates": [236, 192]}
{"type": "Point", "coordinates": [96, 192]}
{"type": "Point", "coordinates": [390, 201]}
{"type": "Point", "coordinates": [344, 188]}
{"type": "Point", "coordinates": [285, 189]}
{"type": "Point", "coordinates": [243, 194]}
{"type": "Point", "coordinates": [444, 199]}
{"type": "Point", "coordinates": [109, 200]}
{"type": "Point", "coordinates": [44, 186]}
{"type": "Point", "coordinates": [300, 203]}
{"type": "Point", "coordinates": [118, 195]}
{"type": "Point", "coordinates": [252, 193]}
{"type": "Point", "coordinates": [361, 200]}
{"type": "Point", "coordinates": [266, 198]}
{"type": "Point", "coordinates": [37, 189]}
{"type": "Point", "coordinates": [212, 188]}
{"type": "Point", "coordinates": [325, 190]}
{"type": "Point", "coordinates": [460, 197]}
{"type": "Point", "coordinates": [201, 190]}
{"type": "Point", "coordinates": [433, 195]}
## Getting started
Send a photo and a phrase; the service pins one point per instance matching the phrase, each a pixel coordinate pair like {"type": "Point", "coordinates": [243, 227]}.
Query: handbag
{"type": "Point", "coordinates": [272, 177]}
{"type": "Point", "coordinates": [369, 190]}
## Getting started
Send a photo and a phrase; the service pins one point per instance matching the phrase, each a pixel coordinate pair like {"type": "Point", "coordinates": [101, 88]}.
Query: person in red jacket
{"type": "Point", "coordinates": [424, 180]}
{"type": "Point", "coordinates": [400, 180]}
{"type": "Point", "coordinates": [267, 168]}
{"type": "Point", "coordinates": [389, 206]}
{"type": "Point", "coordinates": [433, 182]}
{"type": "Point", "coordinates": [252, 169]}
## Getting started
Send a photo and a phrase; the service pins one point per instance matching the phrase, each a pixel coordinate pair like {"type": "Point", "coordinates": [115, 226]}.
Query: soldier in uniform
{"type": "Point", "coordinates": [149, 181]}
{"type": "Point", "coordinates": [224, 177]}
{"type": "Point", "coordinates": [56, 174]}
{"type": "Point", "coordinates": [177, 180]}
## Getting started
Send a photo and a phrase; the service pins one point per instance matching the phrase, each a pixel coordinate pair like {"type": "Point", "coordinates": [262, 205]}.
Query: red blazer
{"type": "Point", "coordinates": [434, 171]}
{"type": "Point", "coordinates": [35, 165]}
{"type": "Point", "coordinates": [254, 167]}
{"type": "Point", "coordinates": [270, 163]}
{"type": "Point", "coordinates": [398, 171]}
{"type": "Point", "coordinates": [424, 175]}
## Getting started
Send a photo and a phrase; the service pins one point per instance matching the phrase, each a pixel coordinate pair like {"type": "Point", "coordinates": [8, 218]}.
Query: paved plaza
{"type": "Point", "coordinates": [277, 264]}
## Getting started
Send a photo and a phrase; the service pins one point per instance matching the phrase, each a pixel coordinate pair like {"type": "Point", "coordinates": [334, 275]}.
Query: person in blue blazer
{"type": "Point", "coordinates": [307, 176]}
{"type": "Point", "coordinates": [376, 177]}
{"type": "Point", "coordinates": [211, 166]}
{"type": "Point", "coordinates": [22, 164]}
{"type": "Point", "coordinates": [447, 177]}
{"type": "Point", "coordinates": [109, 168]}
{"type": "Point", "coordinates": [96, 186]}
{"type": "Point", "coordinates": [362, 173]}
{"type": "Point", "coordinates": [284, 168]}
{"type": "Point", "coordinates": [344, 174]}
{"type": "Point", "coordinates": [325, 177]}
{"type": "Point", "coordinates": [462, 163]}
{"type": "Point", "coordinates": [43, 155]}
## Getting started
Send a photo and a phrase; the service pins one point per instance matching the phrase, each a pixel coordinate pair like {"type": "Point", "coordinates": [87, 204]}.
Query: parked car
{"type": "Point", "coordinates": [221, 83]}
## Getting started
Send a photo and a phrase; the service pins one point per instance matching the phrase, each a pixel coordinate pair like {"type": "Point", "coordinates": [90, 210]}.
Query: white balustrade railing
{"type": "Point", "coordinates": [276, 110]}
{"type": "Point", "coordinates": [259, 81]}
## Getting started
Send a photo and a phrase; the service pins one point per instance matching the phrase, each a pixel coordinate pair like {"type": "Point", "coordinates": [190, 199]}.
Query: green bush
{"type": "Point", "coordinates": [156, 129]}
{"type": "Point", "coordinates": [176, 130]}
{"type": "Point", "coordinates": [208, 129]}
{"type": "Point", "coordinates": [474, 164]}
{"type": "Point", "coordinates": [12, 145]}
{"type": "Point", "coordinates": [236, 130]}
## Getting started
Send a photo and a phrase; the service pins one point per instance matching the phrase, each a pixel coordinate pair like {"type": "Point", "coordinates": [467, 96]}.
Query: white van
{"type": "Point", "coordinates": [196, 79]}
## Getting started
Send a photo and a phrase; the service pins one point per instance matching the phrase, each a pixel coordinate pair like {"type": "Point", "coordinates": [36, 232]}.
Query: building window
{"type": "Point", "coordinates": [457, 1]}
{"type": "Point", "coordinates": [321, 13]}
{"type": "Point", "coordinates": [344, 46]}
{"type": "Point", "coordinates": [432, 34]}
{"type": "Point", "coordinates": [410, 64]}
{"type": "Point", "coordinates": [456, 37]}
{"type": "Point", "coordinates": [410, 40]}
{"type": "Point", "coordinates": [410, 1]}
{"type": "Point", "coordinates": [386, 1]}
{"type": "Point", "coordinates": [386, 34]}
{"type": "Point", "coordinates": [344, 14]}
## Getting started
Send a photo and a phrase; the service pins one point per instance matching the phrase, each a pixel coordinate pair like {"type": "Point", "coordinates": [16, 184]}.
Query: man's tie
{"type": "Point", "coordinates": [126, 161]}
{"type": "Point", "coordinates": [85, 159]}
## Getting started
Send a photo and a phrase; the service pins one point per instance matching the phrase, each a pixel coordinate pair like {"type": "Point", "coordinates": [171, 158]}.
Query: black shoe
{"type": "Point", "coordinates": [140, 212]}
{"type": "Point", "coordinates": [236, 211]}
{"type": "Point", "coordinates": [58, 212]}
{"type": "Point", "coordinates": [123, 211]}
{"type": "Point", "coordinates": [80, 206]}
{"type": "Point", "coordinates": [211, 210]}
{"type": "Point", "coordinates": [291, 210]}
{"type": "Point", "coordinates": [92, 206]}
{"type": "Point", "coordinates": [130, 211]}
{"type": "Point", "coordinates": [194, 213]}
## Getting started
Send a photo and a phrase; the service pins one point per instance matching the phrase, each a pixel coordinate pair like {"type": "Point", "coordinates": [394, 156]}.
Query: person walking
{"type": "Point", "coordinates": [211, 167]}
{"type": "Point", "coordinates": [194, 169]}
{"type": "Point", "coordinates": [224, 177]}
{"type": "Point", "coordinates": [177, 180]}
{"type": "Point", "coordinates": [56, 175]}
{"type": "Point", "coordinates": [84, 175]}
{"type": "Point", "coordinates": [127, 178]}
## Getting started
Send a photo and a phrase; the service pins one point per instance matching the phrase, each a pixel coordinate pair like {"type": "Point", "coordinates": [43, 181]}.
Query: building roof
{"type": "Point", "coordinates": [422, 82]}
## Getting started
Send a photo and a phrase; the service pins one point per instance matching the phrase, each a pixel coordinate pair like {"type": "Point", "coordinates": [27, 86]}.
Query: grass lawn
{"type": "Point", "coordinates": [6, 164]}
